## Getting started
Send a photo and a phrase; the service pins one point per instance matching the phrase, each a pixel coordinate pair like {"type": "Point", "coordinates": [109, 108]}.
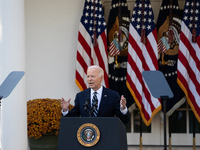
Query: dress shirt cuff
{"type": "Point", "coordinates": [124, 112]}
{"type": "Point", "coordinates": [65, 113]}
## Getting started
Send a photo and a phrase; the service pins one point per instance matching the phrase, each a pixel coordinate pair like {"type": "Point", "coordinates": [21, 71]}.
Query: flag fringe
{"type": "Point", "coordinates": [79, 85]}
{"type": "Point", "coordinates": [147, 123]}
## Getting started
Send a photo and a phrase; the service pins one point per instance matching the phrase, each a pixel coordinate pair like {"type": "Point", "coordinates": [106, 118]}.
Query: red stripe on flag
{"type": "Point", "coordinates": [151, 51]}
{"type": "Point", "coordinates": [134, 67]}
{"type": "Point", "coordinates": [191, 73]}
{"type": "Point", "coordinates": [187, 91]}
{"type": "Point", "coordinates": [139, 77]}
{"type": "Point", "coordinates": [192, 51]}
{"type": "Point", "coordinates": [138, 98]}
{"type": "Point", "coordinates": [85, 45]}
{"type": "Point", "coordinates": [138, 51]}
{"type": "Point", "coordinates": [82, 62]}
{"type": "Point", "coordinates": [104, 38]}
{"type": "Point", "coordinates": [101, 64]}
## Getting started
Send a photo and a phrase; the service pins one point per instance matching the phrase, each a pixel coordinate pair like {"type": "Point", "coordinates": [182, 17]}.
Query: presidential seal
{"type": "Point", "coordinates": [88, 135]}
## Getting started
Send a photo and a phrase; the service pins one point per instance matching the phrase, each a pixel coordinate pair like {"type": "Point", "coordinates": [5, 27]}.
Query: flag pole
{"type": "Point", "coordinates": [140, 132]}
{"type": "Point", "coordinates": [164, 99]}
{"type": "Point", "coordinates": [194, 139]}
{"type": "Point", "coordinates": [170, 140]}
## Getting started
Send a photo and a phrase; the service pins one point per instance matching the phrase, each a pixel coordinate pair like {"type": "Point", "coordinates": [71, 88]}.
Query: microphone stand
{"type": "Point", "coordinates": [86, 106]}
{"type": "Point", "coordinates": [90, 113]}
{"type": "Point", "coordinates": [92, 109]}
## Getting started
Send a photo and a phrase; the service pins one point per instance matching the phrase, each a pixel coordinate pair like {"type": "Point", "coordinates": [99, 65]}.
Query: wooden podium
{"type": "Point", "coordinates": [96, 133]}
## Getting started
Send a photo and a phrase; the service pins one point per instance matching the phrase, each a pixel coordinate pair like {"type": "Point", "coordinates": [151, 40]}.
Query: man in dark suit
{"type": "Point", "coordinates": [108, 101]}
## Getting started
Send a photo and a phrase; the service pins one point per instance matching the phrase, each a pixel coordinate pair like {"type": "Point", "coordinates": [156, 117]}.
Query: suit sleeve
{"type": "Point", "coordinates": [124, 118]}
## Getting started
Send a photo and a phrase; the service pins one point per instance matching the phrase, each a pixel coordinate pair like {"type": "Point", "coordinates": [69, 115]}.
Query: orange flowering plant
{"type": "Point", "coordinates": [43, 117]}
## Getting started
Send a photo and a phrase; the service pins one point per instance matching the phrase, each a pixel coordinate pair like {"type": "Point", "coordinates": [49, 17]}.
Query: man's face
{"type": "Point", "coordinates": [93, 78]}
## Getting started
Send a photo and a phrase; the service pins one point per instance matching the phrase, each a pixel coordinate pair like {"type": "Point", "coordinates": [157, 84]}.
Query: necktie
{"type": "Point", "coordinates": [95, 102]}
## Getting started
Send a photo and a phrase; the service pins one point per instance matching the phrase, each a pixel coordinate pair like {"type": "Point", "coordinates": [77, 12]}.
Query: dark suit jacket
{"type": "Point", "coordinates": [109, 105]}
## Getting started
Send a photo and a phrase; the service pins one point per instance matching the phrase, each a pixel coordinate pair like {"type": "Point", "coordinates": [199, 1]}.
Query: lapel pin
{"type": "Point", "coordinates": [105, 95]}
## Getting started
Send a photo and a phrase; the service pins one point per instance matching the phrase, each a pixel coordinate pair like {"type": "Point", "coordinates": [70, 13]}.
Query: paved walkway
{"type": "Point", "coordinates": [162, 147]}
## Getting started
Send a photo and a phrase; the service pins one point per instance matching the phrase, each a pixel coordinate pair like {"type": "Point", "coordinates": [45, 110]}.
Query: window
{"type": "Point", "coordinates": [178, 121]}
{"type": "Point", "coordinates": [136, 125]}
{"type": "Point", "coordinates": [191, 121]}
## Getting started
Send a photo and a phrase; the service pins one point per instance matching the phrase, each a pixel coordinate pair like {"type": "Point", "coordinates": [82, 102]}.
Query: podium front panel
{"type": "Point", "coordinates": [112, 133]}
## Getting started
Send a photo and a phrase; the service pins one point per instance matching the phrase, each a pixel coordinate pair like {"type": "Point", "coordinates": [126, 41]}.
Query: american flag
{"type": "Point", "coordinates": [188, 73]}
{"type": "Point", "coordinates": [92, 43]}
{"type": "Point", "coordinates": [142, 56]}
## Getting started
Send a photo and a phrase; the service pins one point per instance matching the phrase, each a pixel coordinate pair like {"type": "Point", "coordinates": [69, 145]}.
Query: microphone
{"type": "Point", "coordinates": [86, 104]}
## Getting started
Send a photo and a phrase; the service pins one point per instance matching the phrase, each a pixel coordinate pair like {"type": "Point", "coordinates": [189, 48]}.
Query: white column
{"type": "Point", "coordinates": [12, 58]}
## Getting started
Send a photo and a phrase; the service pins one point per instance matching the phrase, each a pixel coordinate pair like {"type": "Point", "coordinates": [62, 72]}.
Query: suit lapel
{"type": "Point", "coordinates": [103, 100]}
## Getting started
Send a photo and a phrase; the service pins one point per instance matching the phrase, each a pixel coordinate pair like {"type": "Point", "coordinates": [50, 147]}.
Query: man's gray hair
{"type": "Point", "coordinates": [101, 72]}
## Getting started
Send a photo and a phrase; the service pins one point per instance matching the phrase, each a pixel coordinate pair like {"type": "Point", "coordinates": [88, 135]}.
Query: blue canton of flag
{"type": "Point", "coordinates": [191, 15]}
{"type": "Point", "coordinates": [93, 18]}
{"type": "Point", "coordinates": [148, 20]}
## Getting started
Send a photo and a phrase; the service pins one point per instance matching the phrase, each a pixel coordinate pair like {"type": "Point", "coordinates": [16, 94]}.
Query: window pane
{"type": "Point", "coordinates": [183, 105]}
{"type": "Point", "coordinates": [136, 119]}
{"type": "Point", "coordinates": [197, 124]}
{"type": "Point", "coordinates": [177, 122]}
